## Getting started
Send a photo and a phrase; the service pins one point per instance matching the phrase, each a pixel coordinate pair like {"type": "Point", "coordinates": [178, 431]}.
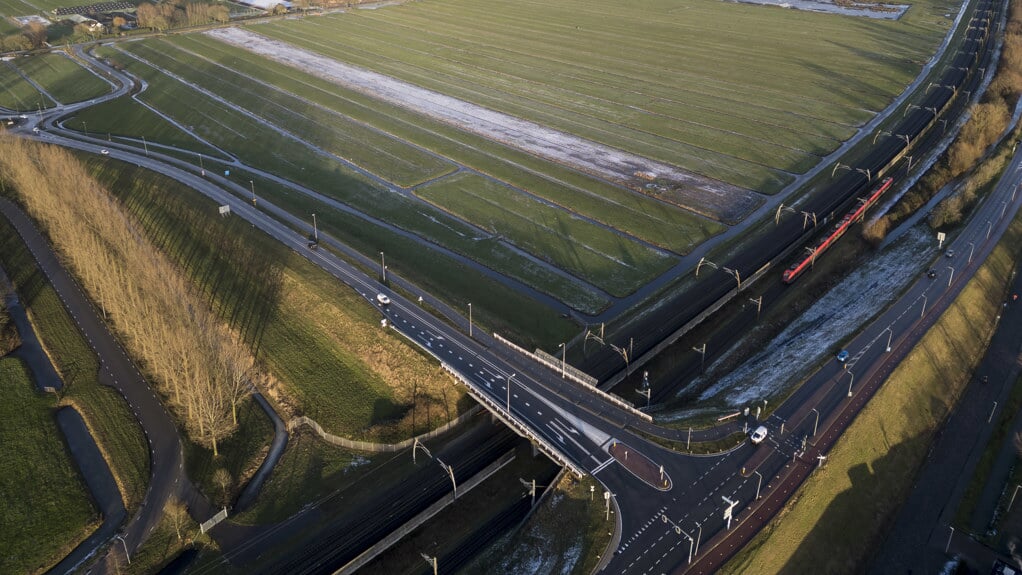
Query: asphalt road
{"type": "Point", "coordinates": [167, 476]}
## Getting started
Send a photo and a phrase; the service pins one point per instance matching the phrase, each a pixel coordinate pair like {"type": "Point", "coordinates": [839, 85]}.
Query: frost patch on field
{"type": "Point", "coordinates": [842, 311]}
{"type": "Point", "coordinates": [712, 198]}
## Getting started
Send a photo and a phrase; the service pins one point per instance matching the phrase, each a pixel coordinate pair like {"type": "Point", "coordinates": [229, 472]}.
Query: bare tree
{"type": "Point", "coordinates": [177, 515]}
{"type": "Point", "coordinates": [223, 479]}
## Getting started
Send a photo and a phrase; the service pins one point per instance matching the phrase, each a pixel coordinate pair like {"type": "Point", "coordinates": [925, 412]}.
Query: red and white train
{"type": "Point", "coordinates": [854, 215]}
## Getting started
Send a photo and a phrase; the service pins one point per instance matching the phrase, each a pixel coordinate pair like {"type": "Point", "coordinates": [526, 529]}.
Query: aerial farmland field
{"type": "Point", "coordinates": [18, 94]}
{"type": "Point", "coordinates": [647, 129]}
{"type": "Point", "coordinates": [743, 94]}
{"type": "Point", "coordinates": [62, 78]}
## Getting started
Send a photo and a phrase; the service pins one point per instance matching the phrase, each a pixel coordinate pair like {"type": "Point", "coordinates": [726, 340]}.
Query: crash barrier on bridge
{"type": "Point", "coordinates": [551, 451]}
{"type": "Point", "coordinates": [413, 523]}
{"type": "Point", "coordinates": [212, 521]}
{"type": "Point", "coordinates": [379, 447]}
{"type": "Point", "coordinates": [577, 376]}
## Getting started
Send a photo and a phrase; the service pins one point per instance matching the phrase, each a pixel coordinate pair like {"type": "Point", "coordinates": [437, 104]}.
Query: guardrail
{"type": "Point", "coordinates": [588, 382]}
{"type": "Point", "coordinates": [501, 413]}
{"type": "Point", "coordinates": [212, 521]}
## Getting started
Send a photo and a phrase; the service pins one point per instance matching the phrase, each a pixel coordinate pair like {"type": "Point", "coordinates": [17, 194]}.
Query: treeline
{"type": "Point", "coordinates": [180, 13]}
{"type": "Point", "coordinates": [987, 121]}
{"type": "Point", "coordinates": [30, 37]}
{"type": "Point", "coordinates": [197, 363]}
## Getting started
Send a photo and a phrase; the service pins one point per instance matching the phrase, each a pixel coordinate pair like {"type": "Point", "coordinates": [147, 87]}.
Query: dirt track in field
{"type": "Point", "coordinates": [706, 196]}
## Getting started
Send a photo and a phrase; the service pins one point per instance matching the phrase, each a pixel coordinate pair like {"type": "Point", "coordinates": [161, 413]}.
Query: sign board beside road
{"type": "Point", "coordinates": [225, 210]}
{"type": "Point", "coordinates": [940, 240]}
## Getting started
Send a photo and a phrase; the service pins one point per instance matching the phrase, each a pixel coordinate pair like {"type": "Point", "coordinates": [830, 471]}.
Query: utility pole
{"type": "Point", "coordinates": [759, 305]}
{"type": "Point", "coordinates": [564, 356]}
{"type": "Point", "coordinates": [431, 561]}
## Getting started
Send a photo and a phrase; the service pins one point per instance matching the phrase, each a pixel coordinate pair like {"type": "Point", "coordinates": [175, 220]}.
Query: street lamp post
{"type": "Point", "coordinates": [990, 227]}
{"type": "Point", "coordinates": [923, 312]}
{"type": "Point", "coordinates": [850, 380]}
{"type": "Point", "coordinates": [469, 319]}
{"type": "Point", "coordinates": [564, 357]}
{"type": "Point", "coordinates": [759, 305]}
{"type": "Point", "coordinates": [315, 229]}
{"type": "Point", "coordinates": [145, 146]}
{"type": "Point", "coordinates": [252, 185]}
{"type": "Point", "coordinates": [817, 422]}
{"type": "Point", "coordinates": [972, 248]}
{"type": "Point", "coordinates": [890, 334]}
{"type": "Point", "coordinates": [759, 483]}
{"type": "Point", "coordinates": [699, 536]}
{"type": "Point", "coordinates": [702, 357]}
{"type": "Point", "coordinates": [383, 268]}
{"type": "Point", "coordinates": [126, 556]}
{"type": "Point", "coordinates": [510, 378]}
{"type": "Point", "coordinates": [950, 277]}
{"type": "Point", "coordinates": [950, 535]}
{"type": "Point", "coordinates": [1014, 493]}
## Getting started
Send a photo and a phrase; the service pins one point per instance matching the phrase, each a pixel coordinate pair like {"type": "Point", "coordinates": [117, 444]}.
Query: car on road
{"type": "Point", "coordinates": [383, 299]}
{"type": "Point", "coordinates": [931, 273]}
{"type": "Point", "coordinates": [950, 253]}
{"type": "Point", "coordinates": [105, 152]}
{"type": "Point", "coordinates": [758, 435]}
{"type": "Point", "coordinates": [842, 355]}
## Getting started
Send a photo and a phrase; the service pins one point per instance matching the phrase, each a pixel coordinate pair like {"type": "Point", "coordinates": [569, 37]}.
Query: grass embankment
{"type": "Point", "coordinates": [320, 340]}
{"type": "Point", "coordinates": [105, 412]}
{"type": "Point", "coordinates": [567, 534]}
{"type": "Point", "coordinates": [868, 474]}
{"type": "Point", "coordinates": [47, 509]}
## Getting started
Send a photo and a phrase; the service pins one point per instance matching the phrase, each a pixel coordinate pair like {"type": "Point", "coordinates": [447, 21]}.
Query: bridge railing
{"type": "Point", "coordinates": [501, 413]}
{"type": "Point", "coordinates": [578, 376]}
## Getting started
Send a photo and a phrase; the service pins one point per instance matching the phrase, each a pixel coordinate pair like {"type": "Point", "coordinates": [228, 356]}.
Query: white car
{"type": "Point", "coordinates": [382, 298]}
{"type": "Point", "coordinates": [758, 435]}
{"type": "Point", "coordinates": [105, 152]}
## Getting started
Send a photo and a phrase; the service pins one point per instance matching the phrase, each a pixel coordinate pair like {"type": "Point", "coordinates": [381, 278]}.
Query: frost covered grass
{"type": "Point", "coordinates": [566, 535]}
{"type": "Point", "coordinates": [819, 331]}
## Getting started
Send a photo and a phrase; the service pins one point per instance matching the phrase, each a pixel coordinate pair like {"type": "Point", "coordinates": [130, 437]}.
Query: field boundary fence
{"type": "Point", "coordinates": [332, 439]}
{"type": "Point", "coordinates": [576, 375]}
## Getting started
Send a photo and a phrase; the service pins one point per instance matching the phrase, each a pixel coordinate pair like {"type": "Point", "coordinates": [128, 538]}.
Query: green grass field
{"type": "Point", "coordinates": [655, 79]}
{"type": "Point", "coordinates": [26, 7]}
{"type": "Point", "coordinates": [17, 94]}
{"type": "Point", "coordinates": [47, 509]}
{"type": "Point", "coordinates": [653, 221]}
{"type": "Point", "coordinates": [259, 145]}
{"type": "Point", "coordinates": [590, 252]}
{"type": "Point", "coordinates": [62, 78]}
{"type": "Point", "coordinates": [105, 412]}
